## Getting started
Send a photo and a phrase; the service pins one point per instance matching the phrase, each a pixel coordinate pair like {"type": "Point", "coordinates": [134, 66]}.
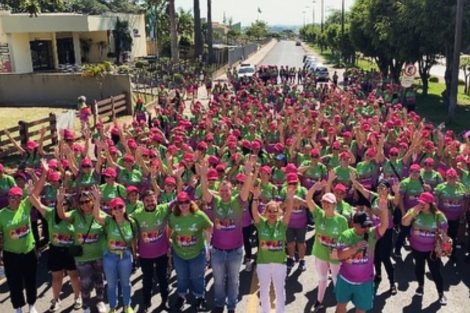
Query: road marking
{"type": "Point", "coordinates": [253, 301]}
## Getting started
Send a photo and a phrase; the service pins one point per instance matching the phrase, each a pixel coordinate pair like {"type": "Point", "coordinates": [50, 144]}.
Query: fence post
{"type": "Point", "coordinates": [53, 128]}
{"type": "Point", "coordinates": [113, 115]}
{"type": "Point", "coordinates": [129, 110]}
{"type": "Point", "coordinates": [24, 136]}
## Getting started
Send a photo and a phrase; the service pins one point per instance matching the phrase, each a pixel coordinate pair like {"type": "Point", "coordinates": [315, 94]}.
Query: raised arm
{"type": "Point", "coordinates": [358, 186]}
{"type": "Point", "coordinates": [14, 142]}
{"type": "Point", "coordinates": [206, 195]}
{"type": "Point", "coordinates": [247, 185]}
{"type": "Point", "coordinates": [289, 205]}
{"type": "Point", "coordinates": [316, 187]}
{"type": "Point", "coordinates": [97, 205]}
{"type": "Point", "coordinates": [60, 204]}
{"type": "Point", "coordinates": [35, 201]}
{"type": "Point", "coordinates": [411, 214]}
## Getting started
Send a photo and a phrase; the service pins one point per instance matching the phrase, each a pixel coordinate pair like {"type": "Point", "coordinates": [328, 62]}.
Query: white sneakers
{"type": "Point", "coordinates": [249, 265]}
{"type": "Point", "coordinates": [77, 303]}
{"type": "Point", "coordinates": [87, 310]}
{"type": "Point", "coordinates": [19, 310]}
{"type": "Point", "coordinates": [32, 309]}
{"type": "Point", "coordinates": [101, 307]}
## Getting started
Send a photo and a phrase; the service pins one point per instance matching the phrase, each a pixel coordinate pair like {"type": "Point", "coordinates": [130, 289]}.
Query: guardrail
{"type": "Point", "coordinates": [112, 106]}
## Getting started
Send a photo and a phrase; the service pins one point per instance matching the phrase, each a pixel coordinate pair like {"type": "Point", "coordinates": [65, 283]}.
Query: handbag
{"type": "Point", "coordinates": [443, 245]}
{"type": "Point", "coordinates": [77, 250]}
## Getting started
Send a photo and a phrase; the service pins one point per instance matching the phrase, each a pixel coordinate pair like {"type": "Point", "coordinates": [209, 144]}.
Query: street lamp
{"type": "Point", "coordinates": [313, 12]}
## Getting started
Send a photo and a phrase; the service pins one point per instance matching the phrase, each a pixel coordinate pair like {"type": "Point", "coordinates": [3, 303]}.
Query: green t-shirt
{"type": "Point", "coordinates": [268, 191]}
{"type": "Point", "coordinates": [316, 172]}
{"type": "Point", "coordinates": [466, 179]}
{"type": "Point", "coordinates": [6, 182]}
{"type": "Point", "coordinates": [345, 209]}
{"type": "Point", "coordinates": [327, 232]}
{"type": "Point", "coordinates": [109, 192]}
{"type": "Point", "coordinates": [132, 207]}
{"type": "Point", "coordinates": [60, 234]}
{"type": "Point", "coordinates": [432, 178]}
{"type": "Point", "coordinates": [119, 237]}
{"type": "Point", "coordinates": [15, 226]}
{"type": "Point", "coordinates": [343, 174]}
{"type": "Point", "coordinates": [272, 242]}
{"type": "Point", "coordinates": [132, 177]}
{"type": "Point", "coordinates": [93, 244]}
{"type": "Point", "coordinates": [166, 197]}
{"type": "Point", "coordinates": [86, 180]}
{"type": "Point", "coordinates": [188, 233]}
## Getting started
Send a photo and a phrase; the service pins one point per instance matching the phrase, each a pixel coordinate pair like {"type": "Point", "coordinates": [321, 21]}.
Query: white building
{"type": "Point", "coordinates": [43, 43]}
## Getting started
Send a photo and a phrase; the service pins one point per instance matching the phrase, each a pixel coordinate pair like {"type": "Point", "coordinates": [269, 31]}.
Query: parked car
{"type": "Point", "coordinates": [298, 43]}
{"type": "Point", "coordinates": [246, 70]}
{"type": "Point", "coordinates": [321, 73]}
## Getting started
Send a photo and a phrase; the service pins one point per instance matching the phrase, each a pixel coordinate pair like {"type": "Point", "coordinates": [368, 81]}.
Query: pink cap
{"type": "Point", "coordinates": [182, 197]}
{"type": "Point", "coordinates": [292, 178]}
{"type": "Point", "coordinates": [115, 202]}
{"type": "Point", "coordinates": [130, 189]}
{"type": "Point", "coordinates": [426, 197]}
{"type": "Point", "coordinates": [15, 192]}
{"type": "Point", "coordinates": [110, 172]}
{"type": "Point", "coordinates": [451, 173]}
{"type": "Point", "coordinates": [415, 168]}
{"type": "Point", "coordinates": [170, 180]}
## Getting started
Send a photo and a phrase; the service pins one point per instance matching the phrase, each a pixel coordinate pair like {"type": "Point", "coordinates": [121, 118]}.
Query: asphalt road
{"type": "Point", "coordinates": [285, 53]}
{"type": "Point", "coordinates": [300, 286]}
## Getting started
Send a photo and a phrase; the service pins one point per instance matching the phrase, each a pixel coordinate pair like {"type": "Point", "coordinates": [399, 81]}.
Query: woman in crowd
{"type": "Point", "coordinates": [426, 221]}
{"type": "Point", "coordinates": [271, 259]}
{"type": "Point", "coordinates": [88, 252]}
{"type": "Point", "coordinates": [329, 225]}
{"type": "Point", "coordinates": [19, 255]}
{"type": "Point", "coordinates": [61, 235]}
{"type": "Point", "coordinates": [190, 233]}
{"type": "Point", "coordinates": [120, 232]}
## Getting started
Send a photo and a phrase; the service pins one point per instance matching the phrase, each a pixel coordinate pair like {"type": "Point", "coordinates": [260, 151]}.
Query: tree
{"type": "Point", "coordinates": [122, 38]}
{"type": "Point", "coordinates": [173, 31]}
{"type": "Point", "coordinates": [210, 43]}
{"type": "Point", "coordinates": [258, 29]}
{"type": "Point", "coordinates": [198, 44]}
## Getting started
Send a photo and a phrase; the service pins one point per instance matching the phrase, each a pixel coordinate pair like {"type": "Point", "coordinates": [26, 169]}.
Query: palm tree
{"type": "Point", "coordinates": [210, 32]}
{"type": "Point", "coordinates": [173, 31]}
{"type": "Point", "coordinates": [198, 45]}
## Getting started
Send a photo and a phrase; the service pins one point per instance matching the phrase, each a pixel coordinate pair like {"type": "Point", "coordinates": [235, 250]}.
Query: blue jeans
{"type": "Point", "coordinates": [117, 267]}
{"type": "Point", "coordinates": [225, 269]}
{"type": "Point", "coordinates": [190, 274]}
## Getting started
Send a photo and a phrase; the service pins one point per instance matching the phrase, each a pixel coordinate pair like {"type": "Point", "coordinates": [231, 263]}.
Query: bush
{"type": "Point", "coordinates": [461, 82]}
{"type": "Point", "coordinates": [434, 79]}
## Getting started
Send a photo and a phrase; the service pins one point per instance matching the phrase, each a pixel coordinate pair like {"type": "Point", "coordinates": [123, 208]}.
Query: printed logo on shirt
{"type": "Point", "coordinates": [117, 245]}
{"type": "Point", "coordinates": [186, 240]}
{"type": "Point", "coordinates": [19, 232]}
{"type": "Point", "coordinates": [271, 245]}
{"type": "Point", "coordinates": [152, 236]}
{"type": "Point", "coordinates": [424, 233]}
{"type": "Point", "coordinates": [327, 241]}
{"type": "Point", "coordinates": [91, 238]}
{"type": "Point", "coordinates": [62, 239]}
{"type": "Point", "coordinates": [225, 224]}
{"type": "Point", "coordinates": [361, 257]}
{"type": "Point", "coordinates": [452, 203]}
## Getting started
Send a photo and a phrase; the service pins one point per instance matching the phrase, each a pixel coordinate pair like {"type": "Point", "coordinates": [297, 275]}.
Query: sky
{"type": "Point", "coordinates": [285, 12]}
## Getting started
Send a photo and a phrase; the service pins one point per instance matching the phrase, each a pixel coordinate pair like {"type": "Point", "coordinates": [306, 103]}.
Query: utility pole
{"type": "Point", "coordinates": [313, 12]}
{"type": "Point", "coordinates": [456, 61]}
{"type": "Point", "coordinates": [322, 9]}
{"type": "Point", "coordinates": [342, 26]}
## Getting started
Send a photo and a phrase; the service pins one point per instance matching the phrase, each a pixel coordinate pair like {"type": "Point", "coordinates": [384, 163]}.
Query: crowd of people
{"type": "Point", "coordinates": [238, 181]}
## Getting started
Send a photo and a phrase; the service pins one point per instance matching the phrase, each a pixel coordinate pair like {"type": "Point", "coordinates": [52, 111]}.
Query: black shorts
{"type": "Point", "coordinates": [296, 235]}
{"type": "Point", "coordinates": [59, 259]}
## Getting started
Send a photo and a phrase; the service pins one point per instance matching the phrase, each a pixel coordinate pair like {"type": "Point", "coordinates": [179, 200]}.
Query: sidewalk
{"type": "Point", "coordinates": [255, 58]}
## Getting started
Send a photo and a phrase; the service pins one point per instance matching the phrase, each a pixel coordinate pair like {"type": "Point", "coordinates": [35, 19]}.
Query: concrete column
{"type": "Point", "coordinates": [76, 48]}
{"type": "Point", "coordinates": [55, 54]}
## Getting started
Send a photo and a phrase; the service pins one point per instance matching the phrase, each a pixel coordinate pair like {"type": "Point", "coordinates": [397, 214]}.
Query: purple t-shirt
{"type": "Point", "coordinates": [246, 217]}
{"type": "Point", "coordinates": [298, 218]}
{"type": "Point", "coordinates": [227, 219]}
{"type": "Point", "coordinates": [423, 230]}
{"type": "Point", "coordinates": [153, 239]}
{"type": "Point", "coordinates": [360, 267]}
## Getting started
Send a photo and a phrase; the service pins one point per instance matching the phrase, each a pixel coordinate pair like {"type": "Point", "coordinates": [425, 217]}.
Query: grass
{"type": "Point", "coordinates": [433, 108]}
{"type": "Point", "coordinates": [366, 65]}
{"type": "Point", "coordinates": [9, 116]}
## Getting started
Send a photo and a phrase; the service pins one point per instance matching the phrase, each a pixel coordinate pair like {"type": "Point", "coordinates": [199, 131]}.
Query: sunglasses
{"type": "Point", "coordinates": [272, 211]}
{"type": "Point", "coordinates": [118, 208]}
{"type": "Point", "coordinates": [184, 202]}
{"type": "Point", "coordinates": [86, 166]}
{"type": "Point", "coordinates": [84, 201]}
{"type": "Point", "coordinates": [15, 197]}
{"type": "Point", "coordinates": [393, 154]}
{"type": "Point", "coordinates": [292, 184]}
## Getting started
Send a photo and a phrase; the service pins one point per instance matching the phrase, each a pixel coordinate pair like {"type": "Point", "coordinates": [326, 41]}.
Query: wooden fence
{"type": "Point", "coordinates": [111, 107]}
{"type": "Point", "coordinates": [29, 130]}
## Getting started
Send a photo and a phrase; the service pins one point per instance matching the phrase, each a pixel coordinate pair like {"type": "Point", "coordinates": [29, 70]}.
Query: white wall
{"type": "Point", "coordinates": [20, 53]}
